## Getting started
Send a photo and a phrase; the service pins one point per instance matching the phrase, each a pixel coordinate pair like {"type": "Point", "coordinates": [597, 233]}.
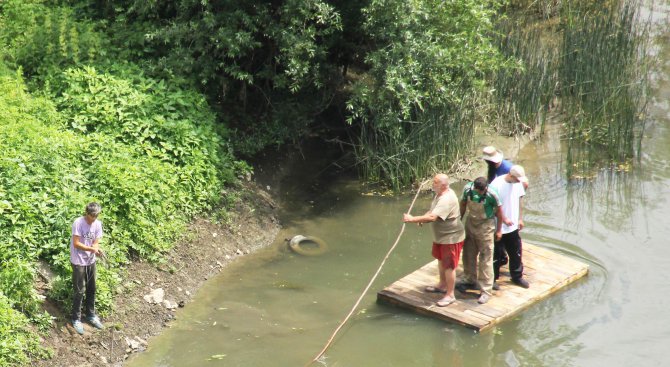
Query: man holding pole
{"type": "Point", "coordinates": [448, 234]}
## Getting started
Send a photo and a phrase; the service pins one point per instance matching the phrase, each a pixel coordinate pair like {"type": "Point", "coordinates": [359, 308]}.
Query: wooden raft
{"type": "Point", "coordinates": [546, 271]}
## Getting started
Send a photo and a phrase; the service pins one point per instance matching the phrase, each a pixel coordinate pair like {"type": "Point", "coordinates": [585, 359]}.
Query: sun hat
{"type": "Point", "coordinates": [491, 154]}
{"type": "Point", "coordinates": [518, 172]}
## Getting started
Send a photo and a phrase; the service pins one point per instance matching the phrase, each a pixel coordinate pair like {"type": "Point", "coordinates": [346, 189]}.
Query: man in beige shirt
{"type": "Point", "coordinates": [448, 234]}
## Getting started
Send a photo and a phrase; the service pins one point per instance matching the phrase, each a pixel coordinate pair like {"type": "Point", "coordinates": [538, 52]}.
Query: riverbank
{"type": "Point", "coordinates": [205, 249]}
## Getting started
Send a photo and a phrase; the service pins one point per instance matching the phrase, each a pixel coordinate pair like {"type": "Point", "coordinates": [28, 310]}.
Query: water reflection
{"type": "Point", "coordinates": [276, 308]}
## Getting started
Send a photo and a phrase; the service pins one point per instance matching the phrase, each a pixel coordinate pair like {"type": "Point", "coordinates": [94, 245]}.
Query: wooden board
{"type": "Point", "coordinates": [547, 271]}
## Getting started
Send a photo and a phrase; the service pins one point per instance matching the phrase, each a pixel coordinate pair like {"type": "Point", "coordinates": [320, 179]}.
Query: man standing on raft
{"type": "Point", "coordinates": [448, 234]}
{"type": "Point", "coordinates": [511, 192]}
{"type": "Point", "coordinates": [483, 206]}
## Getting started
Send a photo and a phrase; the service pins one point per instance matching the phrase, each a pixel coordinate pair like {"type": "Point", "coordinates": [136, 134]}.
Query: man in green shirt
{"type": "Point", "coordinates": [483, 207]}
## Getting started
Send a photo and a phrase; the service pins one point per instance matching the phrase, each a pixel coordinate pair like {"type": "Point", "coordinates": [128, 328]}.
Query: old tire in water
{"type": "Point", "coordinates": [307, 245]}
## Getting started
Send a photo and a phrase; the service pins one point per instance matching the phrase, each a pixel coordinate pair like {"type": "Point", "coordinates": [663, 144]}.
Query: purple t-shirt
{"type": "Point", "coordinates": [87, 235]}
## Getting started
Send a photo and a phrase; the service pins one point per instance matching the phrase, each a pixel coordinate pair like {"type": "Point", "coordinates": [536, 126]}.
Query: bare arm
{"type": "Point", "coordinates": [499, 222]}
{"type": "Point", "coordinates": [462, 207]}
{"type": "Point", "coordinates": [426, 218]}
{"type": "Point", "coordinates": [94, 248]}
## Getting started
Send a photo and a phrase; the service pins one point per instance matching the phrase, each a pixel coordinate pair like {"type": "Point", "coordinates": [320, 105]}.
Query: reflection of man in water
{"type": "Point", "coordinates": [448, 234]}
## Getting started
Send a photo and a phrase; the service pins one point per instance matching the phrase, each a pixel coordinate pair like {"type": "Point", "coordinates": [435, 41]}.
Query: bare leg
{"type": "Point", "coordinates": [450, 277]}
{"type": "Point", "coordinates": [444, 284]}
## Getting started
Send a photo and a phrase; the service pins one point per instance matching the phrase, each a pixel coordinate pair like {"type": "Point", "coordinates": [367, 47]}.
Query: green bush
{"type": "Point", "coordinates": [140, 154]}
{"type": "Point", "coordinates": [173, 161]}
{"type": "Point", "coordinates": [17, 344]}
{"type": "Point", "coordinates": [427, 67]}
{"type": "Point", "coordinates": [43, 40]}
{"type": "Point", "coordinates": [148, 152]}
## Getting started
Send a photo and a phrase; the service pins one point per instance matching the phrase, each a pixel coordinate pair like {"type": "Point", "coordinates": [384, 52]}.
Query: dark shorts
{"type": "Point", "coordinates": [449, 254]}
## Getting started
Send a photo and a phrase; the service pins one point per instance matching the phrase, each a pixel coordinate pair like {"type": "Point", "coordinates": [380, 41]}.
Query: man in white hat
{"type": "Point", "coordinates": [511, 192]}
{"type": "Point", "coordinates": [497, 166]}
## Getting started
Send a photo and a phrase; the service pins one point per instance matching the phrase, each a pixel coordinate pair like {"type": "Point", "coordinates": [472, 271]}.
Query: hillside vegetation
{"type": "Point", "coordinates": [149, 107]}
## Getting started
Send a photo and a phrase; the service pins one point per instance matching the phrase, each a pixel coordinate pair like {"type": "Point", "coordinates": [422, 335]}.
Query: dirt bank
{"type": "Point", "coordinates": [205, 249]}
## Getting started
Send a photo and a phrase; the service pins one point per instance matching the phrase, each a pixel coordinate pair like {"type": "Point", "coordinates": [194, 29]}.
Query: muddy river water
{"type": "Point", "coordinates": [277, 308]}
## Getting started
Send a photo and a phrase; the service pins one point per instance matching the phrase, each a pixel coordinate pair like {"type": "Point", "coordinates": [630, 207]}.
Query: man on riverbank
{"type": "Point", "coordinates": [448, 234]}
{"type": "Point", "coordinates": [84, 246]}
{"type": "Point", "coordinates": [511, 192]}
{"type": "Point", "coordinates": [483, 207]}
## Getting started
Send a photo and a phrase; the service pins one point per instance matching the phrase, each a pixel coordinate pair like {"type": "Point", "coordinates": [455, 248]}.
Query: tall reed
{"type": "Point", "coordinates": [544, 8]}
{"type": "Point", "coordinates": [592, 61]}
{"type": "Point", "coordinates": [604, 74]}
{"type": "Point", "coordinates": [523, 94]}
{"type": "Point", "coordinates": [436, 142]}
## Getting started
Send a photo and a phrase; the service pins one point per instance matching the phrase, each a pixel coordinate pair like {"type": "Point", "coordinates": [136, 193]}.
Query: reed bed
{"type": "Point", "coordinates": [588, 62]}
{"type": "Point", "coordinates": [418, 149]}
{"type": "Point", "coordinates": [524, 94]}
{"type": "Point", "coordinates": [604, 76]}
{"type": "Point", "coordinates": [546, 9]}
{"type": "Point", "coordinates": [594, 64]}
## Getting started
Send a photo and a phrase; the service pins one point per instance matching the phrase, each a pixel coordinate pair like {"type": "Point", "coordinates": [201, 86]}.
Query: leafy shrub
{"type": "Point", "coordinates": [266, 64]}
{"type": "Point", "coordinates": [427, 69]}
{"type": "Point", "coordinates": [147, 152]}
{"type": "Point", "coordinates": [43, 40]}
{"type": "Point", "coordinates": [173, 163]}
{"type": "Point", "coordinates": [17, 345]}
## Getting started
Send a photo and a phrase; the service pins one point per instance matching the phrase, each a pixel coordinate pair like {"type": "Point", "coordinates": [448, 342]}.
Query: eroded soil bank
{"type": "Point", "coordinates": [204, 250]}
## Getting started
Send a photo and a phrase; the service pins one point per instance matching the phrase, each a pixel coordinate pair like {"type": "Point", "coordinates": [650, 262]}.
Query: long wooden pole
{"type": "Point", "coordinates": [402, 229]}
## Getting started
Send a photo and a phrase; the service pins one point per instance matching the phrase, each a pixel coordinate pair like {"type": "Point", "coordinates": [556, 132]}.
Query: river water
{"type": "Point", "coordinates": [276, 308]}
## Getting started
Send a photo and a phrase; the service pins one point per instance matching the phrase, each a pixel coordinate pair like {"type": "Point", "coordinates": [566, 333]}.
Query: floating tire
{"type": "Point", "coordinates": [307, 245]}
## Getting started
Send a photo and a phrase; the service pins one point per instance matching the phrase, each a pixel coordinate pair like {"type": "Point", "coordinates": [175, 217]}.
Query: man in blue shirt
{"type": "Point", "coordinates": [497, 166]}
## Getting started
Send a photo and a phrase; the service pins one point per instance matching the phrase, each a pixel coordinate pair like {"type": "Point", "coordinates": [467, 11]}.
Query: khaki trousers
{"type": "Point", "coordinates": [478, 253]}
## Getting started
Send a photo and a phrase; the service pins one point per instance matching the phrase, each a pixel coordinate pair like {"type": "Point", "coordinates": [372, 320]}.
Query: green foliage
{"type": "Point", "coordinates": [148, 152]}
{"type": "Point", "coordinates": [132, 145]}
{"type": "Point", "coordinates": [427, 70]}
{"type": "Point", "coordinates": [265, 63]}
{"type": "Point", "coordinates": [16, 281]}
{"type": "Point", "coordinates": [595, 64]}
{"type": "Point", "coordinates": [522, 95]}
{"type": "Point", "coordinates": [543, 8]}
{"type": "Point", "coordinates": [43, 40]}
{"type": "Point", "coordinates": [604, 77]}
{"type": "Point", "coordinates": [17, 345]}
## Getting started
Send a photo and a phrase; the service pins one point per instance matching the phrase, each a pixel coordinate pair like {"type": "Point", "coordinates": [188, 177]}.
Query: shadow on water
{"type": "Point", "coordinates": [307, 181]}
{"type": "Point", "coordinates": [276, 308]}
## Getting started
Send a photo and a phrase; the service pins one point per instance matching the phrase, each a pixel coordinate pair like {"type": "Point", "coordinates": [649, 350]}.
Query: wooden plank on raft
{"type": "Point", "coordinates": [547, 271]}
